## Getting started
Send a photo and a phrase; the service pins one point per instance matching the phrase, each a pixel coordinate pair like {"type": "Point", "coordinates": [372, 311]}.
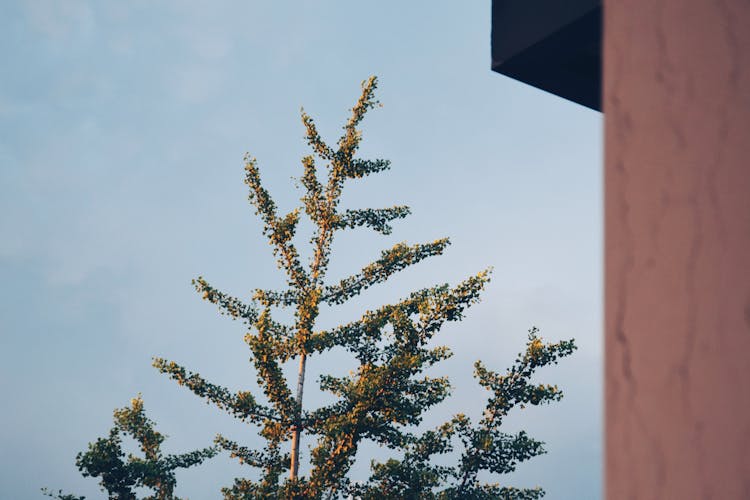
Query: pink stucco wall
{"type": "Point", "coordinates": [677, 243]}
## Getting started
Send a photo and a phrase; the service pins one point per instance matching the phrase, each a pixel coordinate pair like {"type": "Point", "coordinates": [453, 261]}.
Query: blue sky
{"type": "Point", "coordinates": [123, 126]}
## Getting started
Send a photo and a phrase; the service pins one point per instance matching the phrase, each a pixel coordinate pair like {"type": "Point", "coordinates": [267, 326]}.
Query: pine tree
{"type": "Point", "coordinates": [386, 396]}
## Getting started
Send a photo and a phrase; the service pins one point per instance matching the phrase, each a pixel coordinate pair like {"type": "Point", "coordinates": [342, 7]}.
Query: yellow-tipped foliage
{"type": "Point", "coordinates": [388, 394]}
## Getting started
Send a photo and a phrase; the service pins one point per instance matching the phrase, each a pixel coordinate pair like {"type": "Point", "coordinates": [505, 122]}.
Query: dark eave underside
{"type": "Point", "coordinates": [552, 45]}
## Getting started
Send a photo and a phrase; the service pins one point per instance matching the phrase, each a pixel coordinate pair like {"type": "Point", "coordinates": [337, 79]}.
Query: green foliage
{"type": "Point", "coordinates": [59, 495]}
{"type": "Point", "coordinates": [483, 446]}
{"type": "Point", "coordinates": [383, 400]}
{"type": "Point", "coordinates": [386, 396]}
{"type": "Point", "coordinates": [119, 475]}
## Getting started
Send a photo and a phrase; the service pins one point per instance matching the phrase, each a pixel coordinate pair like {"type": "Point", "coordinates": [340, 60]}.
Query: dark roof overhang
{"type": "Point", "coordinates": [554, 45]}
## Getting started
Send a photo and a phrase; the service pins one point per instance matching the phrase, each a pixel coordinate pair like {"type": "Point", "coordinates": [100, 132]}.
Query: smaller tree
{"type": "Point", "coordinates": [120, 475]}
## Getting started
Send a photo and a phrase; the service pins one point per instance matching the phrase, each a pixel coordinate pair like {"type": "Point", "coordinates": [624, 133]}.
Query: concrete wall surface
{"type": "Point", "coordinates": [677, 242]}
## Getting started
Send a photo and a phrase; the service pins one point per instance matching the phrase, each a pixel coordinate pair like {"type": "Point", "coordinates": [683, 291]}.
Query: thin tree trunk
{"type": "Point", "coordinates": [294, 466]}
